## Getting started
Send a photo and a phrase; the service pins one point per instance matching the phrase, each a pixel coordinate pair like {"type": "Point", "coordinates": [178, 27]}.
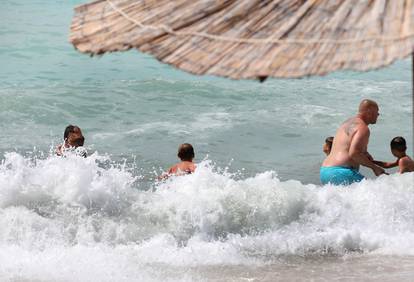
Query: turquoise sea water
{"type": "Point", "coordinates": [256, 200]}
{"type": "Point", "coordinates": [129, 104]}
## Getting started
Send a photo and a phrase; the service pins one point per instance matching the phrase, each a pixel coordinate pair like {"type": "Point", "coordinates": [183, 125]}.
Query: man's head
{"type": "Point", "coordinates": [73, 136]}
{"type": "Point", "coordinates": [368, 111]}
{"type": "Point", "coordinates": [328, 145]}
{"type": "Point", "coordinates": [186, 152]}
{"type": "Point", "coordinates": [398, 146]}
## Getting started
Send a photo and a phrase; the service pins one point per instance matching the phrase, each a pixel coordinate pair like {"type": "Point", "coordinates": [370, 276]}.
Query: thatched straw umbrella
{"type": "Point", "coordinates": [248, 39]}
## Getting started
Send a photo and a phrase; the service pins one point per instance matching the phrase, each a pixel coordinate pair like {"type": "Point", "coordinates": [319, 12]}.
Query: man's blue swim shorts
{"type": "Point", "coordinates": [339, 175]}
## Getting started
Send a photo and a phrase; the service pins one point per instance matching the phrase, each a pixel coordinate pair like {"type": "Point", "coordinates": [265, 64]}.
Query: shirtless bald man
{"type": "Point", "coordinates": [349, 148]}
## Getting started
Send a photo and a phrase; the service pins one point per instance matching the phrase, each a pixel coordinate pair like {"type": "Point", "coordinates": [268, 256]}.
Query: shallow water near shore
{"type": "Point", "coordinates": [253, 211]}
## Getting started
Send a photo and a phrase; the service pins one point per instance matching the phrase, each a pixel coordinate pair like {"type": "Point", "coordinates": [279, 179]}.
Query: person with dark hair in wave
{"type": "Point", "coordinates": [186, 155]}
{"type": "Point", "coordinates": [72, 139]}
{"type": "Point", "coordinates": [398, 149]}
{"type": "Point", "coordinates": [186, 166]}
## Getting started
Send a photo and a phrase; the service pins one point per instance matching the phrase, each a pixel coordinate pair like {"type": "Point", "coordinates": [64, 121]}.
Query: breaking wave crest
{"type": "Point", "coordinates": [64, 207]}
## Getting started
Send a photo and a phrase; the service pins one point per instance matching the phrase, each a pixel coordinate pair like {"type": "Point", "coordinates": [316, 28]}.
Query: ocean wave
{"type": "Point", "coordinates": [209, 217]}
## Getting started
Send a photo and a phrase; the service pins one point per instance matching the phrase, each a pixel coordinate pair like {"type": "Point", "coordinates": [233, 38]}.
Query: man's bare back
{"type": "Point", "coordinates": [339, 155]}
{"type": "Point", "coordinates": [349, 148]}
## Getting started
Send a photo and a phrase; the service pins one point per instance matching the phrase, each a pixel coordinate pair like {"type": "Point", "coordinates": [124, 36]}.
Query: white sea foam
{"type": "Point", "coordinates": [56, 214]}
{"type": "Point", "coordinates": [54, 193]}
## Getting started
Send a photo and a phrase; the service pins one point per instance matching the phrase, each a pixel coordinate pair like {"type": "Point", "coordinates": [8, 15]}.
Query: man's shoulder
{"type": "Point", "coordinates": [354, 124]}
{"type": "Point", "coordinates": [362, 126]}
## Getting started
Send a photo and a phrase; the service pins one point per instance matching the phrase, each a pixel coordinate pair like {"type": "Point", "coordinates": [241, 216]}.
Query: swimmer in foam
{"type": "Point", "coordinates": [349, 148]}
{"type": "Point", "coordinates": [186, 166]}
{"type": "Point", "coordinates": [73, 141]}
{"type": "Point", "coordinates": [398, 149]}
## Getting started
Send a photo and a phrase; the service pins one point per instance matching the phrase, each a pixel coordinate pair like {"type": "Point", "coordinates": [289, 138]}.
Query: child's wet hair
{"type": "Point", "coordinates": [329, 140]}
{"type": "Point", "coordinates": [186, 152]}
{"type": "Point", "coordinates": [70, 129]}
{"type": "Point", "coordinates": [398, 143]}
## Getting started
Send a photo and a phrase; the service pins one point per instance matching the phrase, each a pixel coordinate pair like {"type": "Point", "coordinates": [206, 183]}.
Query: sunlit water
{"type": "Point", "coordinates": [253, 211]}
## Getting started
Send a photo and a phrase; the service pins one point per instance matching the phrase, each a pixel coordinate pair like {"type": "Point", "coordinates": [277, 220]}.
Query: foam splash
{"type": "Point", "coordinates": [72, 180]}
{"type": "Point", "coordinates": [62, 207]}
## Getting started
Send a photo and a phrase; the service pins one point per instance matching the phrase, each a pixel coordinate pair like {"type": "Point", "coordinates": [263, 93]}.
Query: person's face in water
{"type": "Point", "coordinates": [76, 138]}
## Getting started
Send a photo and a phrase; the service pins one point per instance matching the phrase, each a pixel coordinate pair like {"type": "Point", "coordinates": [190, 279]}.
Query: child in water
{"type": "Point", "coordinates": [328, 145]}
{"type": "Point", "coordinates": [73, 140]}
{"type": "Point", "coordinates": [186, 166]}
{"type": "Point", "coordinates": [404, 162]}
{"type": "Point", "coordinates": [186, 155]}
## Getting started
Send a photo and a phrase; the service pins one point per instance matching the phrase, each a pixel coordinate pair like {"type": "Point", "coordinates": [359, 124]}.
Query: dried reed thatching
{"type": "Point", "coordinates": [251, 38]}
